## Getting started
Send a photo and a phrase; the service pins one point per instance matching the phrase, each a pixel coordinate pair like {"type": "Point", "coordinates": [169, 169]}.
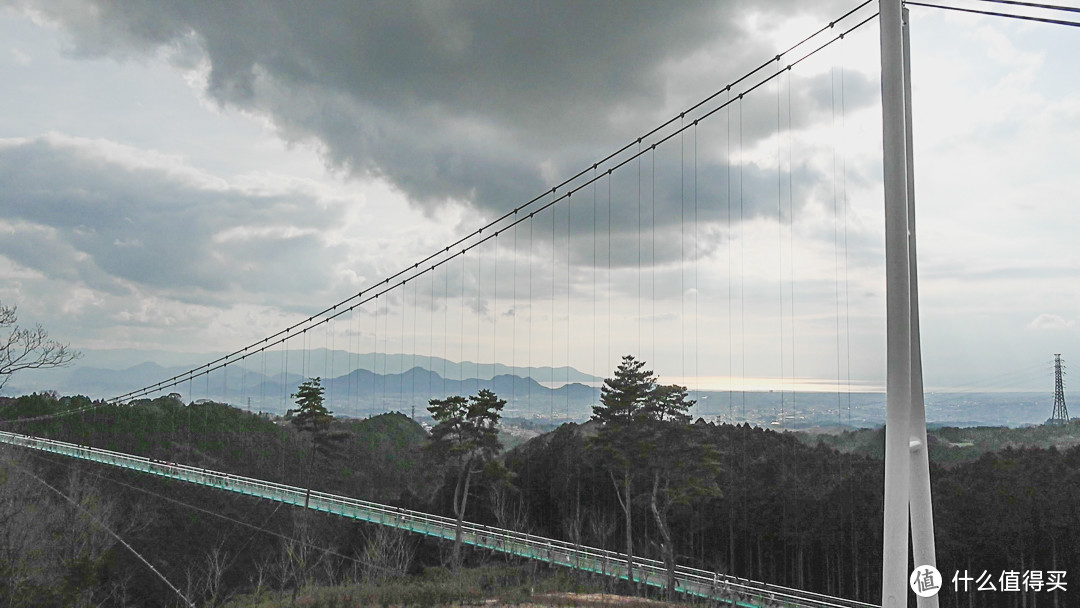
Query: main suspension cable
{"type": "Point", "coordinates": [996, 14]}
{"type": "Point", "coordinates": [385, 286]}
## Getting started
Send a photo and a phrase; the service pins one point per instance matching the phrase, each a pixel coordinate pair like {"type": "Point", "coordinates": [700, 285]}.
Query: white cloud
{"type": "Point", "coordinates": [114, 217]}
{"type": "Point", "coordinates": [208, 176]}
{"type": "Point", "coordinates": [249, 233]}
{"type": "Point", "coordinates": [1049, 321]}
{"type": "Point", "coordinates": [20, 58]}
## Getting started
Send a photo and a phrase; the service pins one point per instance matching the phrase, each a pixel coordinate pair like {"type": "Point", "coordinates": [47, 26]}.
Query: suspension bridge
{"type": "Point", "coordinates": [597, 237]}
{"type": "Point", "coordinates": [691, 581]}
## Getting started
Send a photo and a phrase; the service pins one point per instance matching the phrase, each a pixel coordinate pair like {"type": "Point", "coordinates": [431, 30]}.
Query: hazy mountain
{"type": "Point", "coordinates": [360, 392]}
{"type": "Point", "coordinates": [355, 390]}
{"type": "Point", "coordinates": [137, 368]}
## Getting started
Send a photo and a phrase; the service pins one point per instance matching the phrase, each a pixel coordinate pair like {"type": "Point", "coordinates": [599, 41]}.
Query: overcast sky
{"type": "Point", "coordinates": [194, 177]}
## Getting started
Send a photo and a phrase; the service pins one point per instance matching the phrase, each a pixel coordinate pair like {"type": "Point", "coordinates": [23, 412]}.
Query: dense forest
{"type": "Point", "coordinates": [952, 445]}
{"type": "Point", "coordinates": [212, 544]}
{"type": "Point", "coordinates": [775, 508]}
{"type": "Point", "coordinates": [810, 517]}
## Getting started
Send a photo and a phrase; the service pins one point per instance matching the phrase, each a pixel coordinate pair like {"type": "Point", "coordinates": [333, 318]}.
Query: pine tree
{"type": "Point", "coordinates": [311, 415]}
{"type": "Point", "coordinates": [669, 403]}
{"type": "Point", "coordinates": [624, 400]}
{"type": "Point", "coordinates": [624, 397]}
{"type": "Point", "coordinates": [645, 434]}
{"type": "Point", "coordinates": [466, 436]}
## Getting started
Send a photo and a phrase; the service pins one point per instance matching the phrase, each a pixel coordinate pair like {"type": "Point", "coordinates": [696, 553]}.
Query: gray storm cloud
{"type": "Point", "coordinates": [113, 226]}
{"type": "Point", "coordinates": [480, 102]}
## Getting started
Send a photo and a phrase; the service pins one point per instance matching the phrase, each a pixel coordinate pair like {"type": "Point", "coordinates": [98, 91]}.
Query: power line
{"type": "Point", "coordinates": [103, 526]}
{"type": "Point", "coordinates": [552, 550]}
{"type": "Point", "coordinates": [639, 250]}
{"type": "Point", "coordinates": [836, 244]}
{"type": "Point", "coordinates": [446, 321]}
{"type": "Point", "coordinates": [412, 363]}
{"type": "Point", "coordinates": [211, 513]}
{"type": "Point", "coordinates": [594, 265]}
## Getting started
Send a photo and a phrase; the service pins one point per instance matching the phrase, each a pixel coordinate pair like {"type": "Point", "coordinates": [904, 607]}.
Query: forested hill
{"type": "Point", "coordinates": [212, 543]}
{"type": "Point", "coordinates": [809, 516]}
{"type": "Point", "coordinates": [951, 445]}
{"type": "Point", "coordinates": [777, 508]}
{"type": "Point", "coordinates": [376, 458]}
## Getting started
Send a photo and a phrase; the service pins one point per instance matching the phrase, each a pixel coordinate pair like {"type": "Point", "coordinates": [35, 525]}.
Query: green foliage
{"type": "Point", "coordinates": [441, 587]}
{"type": "Point", "coordinates": [379, 460]}
{"type": "Point", "coordinates": [669, 403]}
{"type": "Point", "coordinates": [383, 457]}
{"type": "Point", "coordinates": [738, 499]}
{"type": "Point", "coordinates": [633, 411]}
{"type": "Point", "coordinates": [465, 437]}
{"type": "Point", "coordinates": [623, 400]}
{"type": "Point", "coordinates": [954, 445]}
{"type": "Point", "coordinates": [313, 418]}
{"type": "Point", "coordinates": [684, 464]}
{"type": "Point", "coordinates": [466, 430]}
{"type": "Point", "coordinates": [311, 415]}
{"type": "Point", "coordinates": [808, 516]}
{"type": "Point", "coordinates": [641, 436]}
{"type": "Point", "coordinates": [624, 397]}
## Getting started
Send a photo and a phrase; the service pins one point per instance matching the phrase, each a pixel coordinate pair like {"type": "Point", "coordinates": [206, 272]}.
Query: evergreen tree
{"type": "Point", "coordinates": [466, 437]}
{"type": "Point", "coordinates": [624, 397]}
{"type": "Point", "coordinates": [645, 434]}
{"type": "Point", "coordinates": [668, 403]}
{"type": "Point", "coordinates": [624, 400]}
{"type": "Point", "coordinates": [682, 469]}
{"type": "Point", "coordinates": [311, 415]}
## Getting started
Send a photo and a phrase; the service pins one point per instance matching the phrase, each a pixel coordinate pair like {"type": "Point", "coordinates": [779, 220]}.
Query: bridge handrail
{"type": "Point", "coordinates": [771, 586]}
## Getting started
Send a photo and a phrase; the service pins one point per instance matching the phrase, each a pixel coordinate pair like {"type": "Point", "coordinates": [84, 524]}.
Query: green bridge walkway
{"type": "Point", "coordinates": [732, 590]}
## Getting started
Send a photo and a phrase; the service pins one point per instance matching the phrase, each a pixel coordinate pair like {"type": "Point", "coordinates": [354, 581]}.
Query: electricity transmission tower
{"type": "Point", "coordinates": [1061, 413]}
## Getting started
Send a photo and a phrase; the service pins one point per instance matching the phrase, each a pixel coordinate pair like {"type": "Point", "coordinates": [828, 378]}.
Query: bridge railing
{"type": "Point", "coordinates": [733, 590]}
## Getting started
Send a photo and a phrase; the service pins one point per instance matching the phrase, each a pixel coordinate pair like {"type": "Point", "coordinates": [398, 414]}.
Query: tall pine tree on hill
{"type": "Point", "coordinates": [625, 397]}
{"type": "Point", "coordinates": [624, 400]}
{"type": "Point", "coordinates": [645, 435]}
{"type": "Point", "coordinates": [465, 436]}
{"type": "Point", "coordinates": [311, 416]}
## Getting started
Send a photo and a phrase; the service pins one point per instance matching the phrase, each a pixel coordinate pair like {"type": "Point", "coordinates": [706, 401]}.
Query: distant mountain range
{"type": "Point", "coordinates": [359, 392]}
{"type": "Point", "coordinates": [367, 383]}
{"type": "Point", "coordinates": [332, 363]}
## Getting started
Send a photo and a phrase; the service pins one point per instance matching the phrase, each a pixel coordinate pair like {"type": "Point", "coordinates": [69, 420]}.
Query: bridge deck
{"type": "Point", "coordinates": [732, 590]}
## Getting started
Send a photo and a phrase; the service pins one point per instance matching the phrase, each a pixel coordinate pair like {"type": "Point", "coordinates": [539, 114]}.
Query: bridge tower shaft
{"type": "Point", "coordinates": [1061, 412]}
{"type": "Point", "coordinates": [908, 509]}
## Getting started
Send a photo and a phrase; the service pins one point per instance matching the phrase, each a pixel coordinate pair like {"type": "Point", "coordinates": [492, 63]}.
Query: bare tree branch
{"type": "Point", "coordinates": [29, 348]}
